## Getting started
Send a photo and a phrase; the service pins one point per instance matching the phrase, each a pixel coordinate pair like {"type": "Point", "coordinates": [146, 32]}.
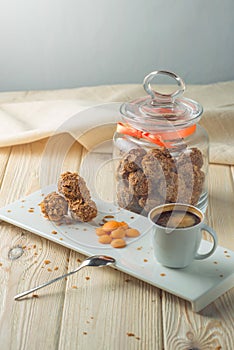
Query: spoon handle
{"type": "Point", "coordinates": [21, 295]}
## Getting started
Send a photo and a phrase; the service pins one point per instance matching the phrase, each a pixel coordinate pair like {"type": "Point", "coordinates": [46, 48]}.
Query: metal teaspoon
{"type": "Point", "coordinates": [96, 260]}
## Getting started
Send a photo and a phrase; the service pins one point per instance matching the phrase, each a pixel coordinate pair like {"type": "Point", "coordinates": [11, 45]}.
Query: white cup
{"type": "Point", "coordinates": [178, 247]}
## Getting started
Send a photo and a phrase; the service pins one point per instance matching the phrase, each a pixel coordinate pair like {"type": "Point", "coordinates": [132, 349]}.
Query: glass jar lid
{"type": "Point", "coordinates": [159, 110]}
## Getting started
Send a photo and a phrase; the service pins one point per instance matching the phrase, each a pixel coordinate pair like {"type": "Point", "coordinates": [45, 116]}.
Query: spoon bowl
{"type": "Point", "coordinates": [98, 261]}
{"type": "Point", "coordinates": [95, 261]}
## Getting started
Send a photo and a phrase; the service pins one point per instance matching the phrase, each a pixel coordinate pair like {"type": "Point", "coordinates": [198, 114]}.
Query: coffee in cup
{"type": "Point", "coordinates": [177, 232]}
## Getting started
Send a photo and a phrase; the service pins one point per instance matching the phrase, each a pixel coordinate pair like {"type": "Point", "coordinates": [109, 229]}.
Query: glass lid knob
{"type": "Point", "coordinates": [158, 97]}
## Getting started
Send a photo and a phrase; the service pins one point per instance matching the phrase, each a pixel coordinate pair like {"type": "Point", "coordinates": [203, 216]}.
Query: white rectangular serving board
{"type": "Point", "coordinates": [200, 283]}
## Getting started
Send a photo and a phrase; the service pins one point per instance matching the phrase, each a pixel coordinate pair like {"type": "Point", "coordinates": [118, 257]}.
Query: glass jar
{"type": "Point", "coordinates": [161, 151]}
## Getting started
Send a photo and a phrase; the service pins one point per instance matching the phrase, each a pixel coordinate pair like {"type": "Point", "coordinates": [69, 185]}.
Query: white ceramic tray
{"type": "Point", "coordinates": [200, 283]}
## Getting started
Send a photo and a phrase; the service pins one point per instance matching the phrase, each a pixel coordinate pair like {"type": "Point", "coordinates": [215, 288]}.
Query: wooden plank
{"type": "Point", "coordinates": [184, 329]}
{"type": "Point", "coordinates": [213, 327]}
{"type": "Point", "coordinates": [4, 156]}
{"type": "Point", "coordinates": [104, 308]}
{"type": "Point", "coordinates": [21, 172]}
{"type": "Point", "coordinates": [220, 213]}
{"type": "Point", "coordinates": [61, 153]}
{"type": "Point", "coordinates": [98, 172]}
{"type": "Point", "coordinates": [25, 323]}
{"type": "Point", "coordinates": [107, 309]}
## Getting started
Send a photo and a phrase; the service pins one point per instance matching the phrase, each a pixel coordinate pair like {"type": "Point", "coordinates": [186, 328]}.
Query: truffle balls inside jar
{"type": "Point", "coordinates": [54, 207]}
{"type": "Point", "coordinates": [138, 184]}
{"type": "Point", "coordinates": [158, 163]}
{"type": "Point", "coordinates": [192, 156]}
{"type": "Point", "coordinates": [131, 162]}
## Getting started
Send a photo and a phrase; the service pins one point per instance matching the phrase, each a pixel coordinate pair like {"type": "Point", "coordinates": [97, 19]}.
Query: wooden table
{"type": "Point", "coordinates": [101, 308]}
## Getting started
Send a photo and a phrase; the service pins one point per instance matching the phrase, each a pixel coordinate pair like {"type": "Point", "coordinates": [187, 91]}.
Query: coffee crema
{"type": "Point", "coordinates": [176, 219]}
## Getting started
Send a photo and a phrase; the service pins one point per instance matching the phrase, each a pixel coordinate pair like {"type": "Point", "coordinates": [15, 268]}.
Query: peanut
{"type": "Point", "coordinates": [100, 231]}
{"type": "Point", "coordinates": [123, 225]}
{"type": "Point", "coordinates": [118, 243]}
{"type": "Point", "coordinates": [110, 225]}
{"type": "Point", "coordinates": [118, 233]}
{"type": "Point", "coordinates": [105, 239]}
{"type": "Point", "coordinates": [132, 232]}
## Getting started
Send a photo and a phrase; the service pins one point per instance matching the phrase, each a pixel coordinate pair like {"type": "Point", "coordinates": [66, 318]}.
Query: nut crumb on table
{"type": "Point", "coordinates": [130, 334]}
{"type": "Point", "coordinates": [47, 262]}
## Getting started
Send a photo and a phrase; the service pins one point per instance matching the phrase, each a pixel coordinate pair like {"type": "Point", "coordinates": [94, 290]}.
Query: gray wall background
{"type": "Point", "coordinates": [53, 44]}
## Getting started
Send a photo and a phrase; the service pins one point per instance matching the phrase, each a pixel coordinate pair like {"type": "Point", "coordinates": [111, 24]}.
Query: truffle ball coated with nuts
{"type": "Point", "coordinates": [191, 155]}
{"type": "Point", "coordinates": [138, 184]}
{"type": "Point", "coordinates": [158, 163]}
{"type": "Point", "coordinates": [83, 211]}
{"type": "Point", "coordinates": [54, 206]}
{"type": "Point", "coordinates": [73, 186]}
{"type": "Point", "coordinates": [131, 161]}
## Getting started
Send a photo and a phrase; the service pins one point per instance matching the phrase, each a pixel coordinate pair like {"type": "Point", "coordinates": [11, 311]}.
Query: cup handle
{"type": "Point", "coordinates": [215, 242]}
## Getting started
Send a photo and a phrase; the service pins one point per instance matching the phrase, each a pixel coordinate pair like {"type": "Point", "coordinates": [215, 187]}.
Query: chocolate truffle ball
{"type": "Point", "coordinates": [54, 207]}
